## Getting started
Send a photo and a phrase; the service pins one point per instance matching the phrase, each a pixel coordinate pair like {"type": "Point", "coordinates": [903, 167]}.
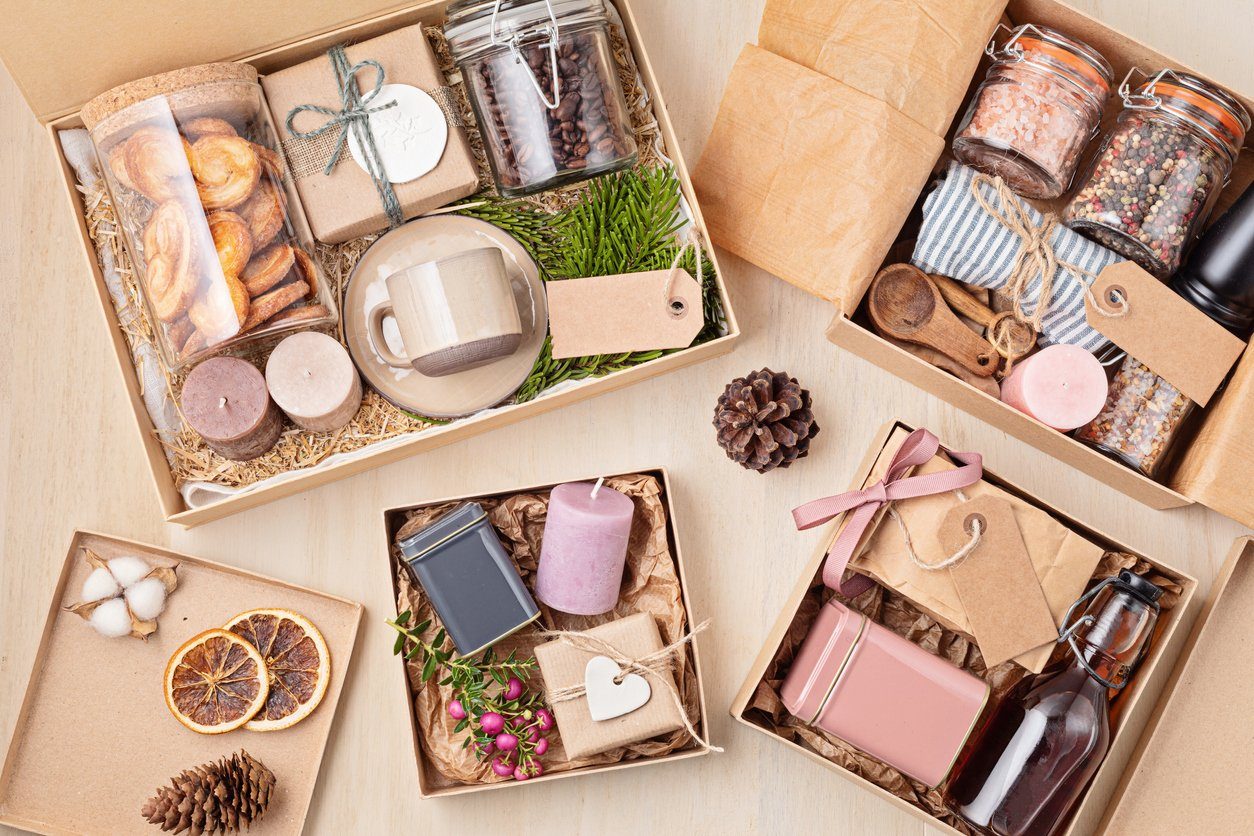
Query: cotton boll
{"type": "Point", "coordinates": [100, 585]}
{"type": "Point", "coordinates": [146, 598]}
{"type": "Point", "coordinates": [128, 569]}
{"type": "Point", "coordinates": [112, 619]}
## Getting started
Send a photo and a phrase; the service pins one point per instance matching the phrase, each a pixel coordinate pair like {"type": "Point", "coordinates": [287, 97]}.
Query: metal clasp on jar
{"type": "Point", "coordinates": [1145, 100]}
{"type": "Point", "coordinates": [514, 43]}
{"type": "Point", "coordinates": [1010, 51]}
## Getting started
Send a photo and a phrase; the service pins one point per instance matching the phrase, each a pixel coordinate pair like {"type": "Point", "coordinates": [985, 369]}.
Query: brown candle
{"type": "Point", "coordinates": [313, 380]}
{"type": "Point", "coordinates": [225, 400]}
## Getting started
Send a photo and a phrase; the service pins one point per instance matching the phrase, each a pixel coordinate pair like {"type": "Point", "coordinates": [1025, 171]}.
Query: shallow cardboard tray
{"type": "Point", "coordinates": [1135, 706]}
{"type": "Point", "coordinates": [45, 57]}
{"type": "Point", "coordinates": [94, 739]}
{"type": "Point", "coordinates": [431, 784]}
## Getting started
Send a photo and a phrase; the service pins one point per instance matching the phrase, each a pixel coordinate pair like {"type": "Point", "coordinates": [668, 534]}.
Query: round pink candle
{"type": "Point", "coordinates": [584, 549]}
{"type": "Point", "coordinates": [1062, 386]}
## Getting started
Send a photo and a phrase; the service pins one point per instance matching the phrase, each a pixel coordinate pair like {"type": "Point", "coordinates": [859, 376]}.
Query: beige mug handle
{"type": "Point", "coordinates": [374, 331]}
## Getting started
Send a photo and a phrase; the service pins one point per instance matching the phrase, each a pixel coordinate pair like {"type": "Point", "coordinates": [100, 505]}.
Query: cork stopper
{"type": "Point", "coordinates": [183, 82]}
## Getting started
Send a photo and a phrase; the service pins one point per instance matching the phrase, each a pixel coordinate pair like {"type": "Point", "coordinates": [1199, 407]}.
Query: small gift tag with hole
{"type": "Point", "coordinates": [1159, 328]}
{"type": "Point", "coordinates": [659, 309]}
{"type": "Point", "coordinates": [998, 586]}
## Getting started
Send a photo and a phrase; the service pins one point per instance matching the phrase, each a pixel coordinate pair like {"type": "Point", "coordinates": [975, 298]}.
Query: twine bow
{"type": "Point", "coordinates": [654, 666]}
{"type": "Point", "coordinates": [1035, 258]}
{"type": "Point", "coordinates": [918, 449]}
{"type": "Point", "coordinates": [354, 115]}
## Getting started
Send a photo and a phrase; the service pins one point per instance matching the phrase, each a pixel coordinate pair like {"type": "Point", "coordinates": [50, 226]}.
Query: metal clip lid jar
{"type": "Point", "coordinates": [1036, 111]}
{"type": "Point", "coordinates": [543, 82]}
{"type": "Point", "coordinates": [1156, 178]}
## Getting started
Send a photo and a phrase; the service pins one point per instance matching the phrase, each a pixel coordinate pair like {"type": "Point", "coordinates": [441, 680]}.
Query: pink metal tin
{"type": "Point", "coordinates": [888, 697]}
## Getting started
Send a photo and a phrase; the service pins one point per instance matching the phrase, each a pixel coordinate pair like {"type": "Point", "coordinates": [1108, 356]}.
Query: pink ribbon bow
{"type": "Point", "coordinates": [918, 449]}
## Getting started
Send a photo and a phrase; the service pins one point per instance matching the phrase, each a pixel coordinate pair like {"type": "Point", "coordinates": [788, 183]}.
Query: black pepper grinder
{"type": "Point", "coordinates": [1219, 276]}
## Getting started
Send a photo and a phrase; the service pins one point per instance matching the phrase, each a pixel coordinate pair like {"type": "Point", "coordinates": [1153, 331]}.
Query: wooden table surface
{"type": "Point", "coordinates": [69, 459]}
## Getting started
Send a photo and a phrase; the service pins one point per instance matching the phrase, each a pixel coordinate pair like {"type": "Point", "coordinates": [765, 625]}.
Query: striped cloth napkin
{"type": "Point", "coordinates": [961, 240]}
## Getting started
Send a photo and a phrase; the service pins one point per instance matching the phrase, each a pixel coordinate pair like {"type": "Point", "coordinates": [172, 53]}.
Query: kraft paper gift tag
{"type": "Point", "coordinates": [996, 582]}
{"type": "Point", "coordinates": [658, 309]}
{"type": "Point", "coordinates": [1063, 560]}
{"type": "Point", "coordinates": [563, 666]}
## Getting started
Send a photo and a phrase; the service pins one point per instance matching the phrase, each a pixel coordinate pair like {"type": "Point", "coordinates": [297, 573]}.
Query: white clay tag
{"type": "Point", "coordinates": [410, 137]}
{"type": "Point", "coordinates": [608, 699]}
{"type": "Point", "coordinates": [628, 312]}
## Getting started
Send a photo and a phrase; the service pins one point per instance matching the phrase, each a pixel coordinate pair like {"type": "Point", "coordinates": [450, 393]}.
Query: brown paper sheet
{"type": "Point", "coordinates": [896, 613]}
{"type": "Point", "coordinates": [1174, 339]}
{"type": "Point", "coordinates": [1064, 561]}
{"type": "Point", "coordinates": [917, 56]}
{"type": "Point", "coordinates": [795, 175]}
{"type": "Point", "coordinates": [345, 205]}
{"type": "Point", "coordinates": [650, 585]}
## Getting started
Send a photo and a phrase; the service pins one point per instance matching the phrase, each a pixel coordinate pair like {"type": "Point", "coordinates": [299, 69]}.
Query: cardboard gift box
{"type": "Point", "coordinates": [58, 68]}
{"type": "Point", "coordinates": [893, 80]}
{"type": "Point", "coordinates": [431, 782]}
{"type": "Point", "coordinates": [1173, 764]}
{"type": "Point", "coordinates": [93, 739]}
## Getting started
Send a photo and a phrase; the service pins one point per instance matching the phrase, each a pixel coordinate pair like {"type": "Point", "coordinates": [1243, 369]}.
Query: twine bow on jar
{"type": "Point", "coordinates": [354, 115]}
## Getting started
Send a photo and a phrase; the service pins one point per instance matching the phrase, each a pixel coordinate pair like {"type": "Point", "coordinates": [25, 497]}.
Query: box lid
{"type": "Point", "coordinates": [62, 54]}
{"type": "Point", "coordinates": [1192, 771]}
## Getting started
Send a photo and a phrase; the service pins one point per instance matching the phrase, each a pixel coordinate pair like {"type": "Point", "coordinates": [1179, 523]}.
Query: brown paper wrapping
{"type": "Point", "coordinates": [853, 99]}
{"type": "Point", "coordinates": [1064, 561]}
{"type": "Point", "coordinates": [891, 609]}
{"type": "Point", "coordinates": [650, 585]}
{"type": "Point", "coordinates": [344, 204]}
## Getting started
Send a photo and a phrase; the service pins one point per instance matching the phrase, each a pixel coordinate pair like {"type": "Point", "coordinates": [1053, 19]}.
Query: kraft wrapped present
{"type": "Point", "coordinates": [345, 203]}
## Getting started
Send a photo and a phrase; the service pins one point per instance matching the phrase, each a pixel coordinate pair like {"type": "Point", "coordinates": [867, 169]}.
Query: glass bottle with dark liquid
{"type": "Point", "coordinates": [1026, 767]}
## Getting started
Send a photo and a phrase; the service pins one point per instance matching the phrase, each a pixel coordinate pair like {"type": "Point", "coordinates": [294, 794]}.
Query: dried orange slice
{"type": "Point", "coordinates": [298, 661]}
{"type": "Point", "coordinates": [216, 682]}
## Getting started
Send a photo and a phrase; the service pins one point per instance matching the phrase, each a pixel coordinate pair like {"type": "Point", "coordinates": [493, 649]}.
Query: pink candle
{"type": "Point", "coordinates": [584, 548]}
{"type": "Point", "coordinates": [1062, 386]}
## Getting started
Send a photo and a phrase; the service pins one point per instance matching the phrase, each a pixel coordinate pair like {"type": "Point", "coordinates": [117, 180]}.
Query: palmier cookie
{"type": "Point", "coordinates": [195, 344]}
{"type": "Point", "coordinates": [232, 240]}
{"type": "Point", "coordinates": [179, 332]}
{"type": "Point", "coordinates": [301, 314]}
{"type": "Point", "coordinates": [154, 162]}
{"type": "Point", "coordinates": [271, 159]}
{"type": "Point", "coordinates": [219, 315]}
{"type": "Point", "coordinates": [268, 268]}
{"type": "Point", "coordinates": [264, 211]}
{"type": "Point", "coordinates": [306, 271]}
{"type": "Point", "coordinates": [168, 273]}
{"type": "Point", "coordinates": [203, 126]}
{"type": "Point", "coordinates": [267, 305]}
{"type": "Point", "coordinates": [226, 170]}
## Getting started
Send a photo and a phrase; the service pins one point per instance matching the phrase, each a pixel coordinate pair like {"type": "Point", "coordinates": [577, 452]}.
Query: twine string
{"type": "Point", "coordinates": [692, 241]}
{"type": "Point", "coordinates": [977, 530]}
{"type": "Point", "coordinates": [655, 666]}
{"type": "Point", "coordinates": [353, 115]}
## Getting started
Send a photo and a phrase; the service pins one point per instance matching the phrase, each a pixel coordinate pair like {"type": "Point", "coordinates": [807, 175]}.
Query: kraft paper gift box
{"type": "Point", "coordinates": [432, 782]}
{"type": "Point", "coordinates": [344, 204]}
{"type": "Point", "coordinates": [49, 61]}
{"type": "Point", "coordinates": [864, 96]}
{"type": "Point", "coordinates": [1177, 759]}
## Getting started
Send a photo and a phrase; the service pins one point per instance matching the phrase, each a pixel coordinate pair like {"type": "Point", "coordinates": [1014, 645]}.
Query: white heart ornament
{"type": "Point", "coordinates": [409, 137]}
{"type": "Point", "coordinates": [608, 699]}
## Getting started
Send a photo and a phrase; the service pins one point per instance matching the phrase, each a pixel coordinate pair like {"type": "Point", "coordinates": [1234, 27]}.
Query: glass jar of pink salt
{"type": "Point", "coordinates": [1037, 109]}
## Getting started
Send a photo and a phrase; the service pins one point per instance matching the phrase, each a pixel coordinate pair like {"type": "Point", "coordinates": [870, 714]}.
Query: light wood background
{"type": "Point", "coordinates": [69, 459]}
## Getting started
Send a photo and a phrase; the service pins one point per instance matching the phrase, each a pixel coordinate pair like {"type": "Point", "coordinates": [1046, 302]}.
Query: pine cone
{"type": "Point", "coordinates": [764, 421]}
{"type": "Point", "coordinates": [212, 798]}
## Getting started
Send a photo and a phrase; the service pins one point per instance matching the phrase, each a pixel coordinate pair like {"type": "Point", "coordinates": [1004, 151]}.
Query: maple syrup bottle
{"type": "Point", "coordinates": [1031, 760]}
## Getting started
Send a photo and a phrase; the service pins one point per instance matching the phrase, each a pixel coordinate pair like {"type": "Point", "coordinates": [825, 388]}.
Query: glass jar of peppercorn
{"type": "Point", "coordinates": [1159, 171]}
{"type": "Point", "coordinates": [543, 82]}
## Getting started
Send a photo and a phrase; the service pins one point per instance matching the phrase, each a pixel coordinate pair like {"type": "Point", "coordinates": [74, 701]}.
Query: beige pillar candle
{"type": "Point", "coordinates": [313, 380]}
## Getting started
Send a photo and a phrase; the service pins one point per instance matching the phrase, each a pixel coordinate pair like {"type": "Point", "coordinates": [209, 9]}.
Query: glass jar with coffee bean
{"type": "Point", "coordinates": [1160, 169]}
{"type": "Point", "coordinates": [544, 85]}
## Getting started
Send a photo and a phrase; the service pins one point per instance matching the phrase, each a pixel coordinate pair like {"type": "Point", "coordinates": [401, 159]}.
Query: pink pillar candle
{"type": "Point", "coordinates": [313, 380]}
{"type": "Point", "coordinates": [584, 549]}
{"type": "Point", "coordinates": [225, 400]}
{"type": "Point", "coordinates": [1062, 386]}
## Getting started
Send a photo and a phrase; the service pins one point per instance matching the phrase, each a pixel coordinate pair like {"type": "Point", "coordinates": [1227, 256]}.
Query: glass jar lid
{"type": "Point", "coordinates": [474, 26]}
{"type": "Point", "coordinates": [1073, 59]}
{"type": "Point", "coordinates": [1196, 101]}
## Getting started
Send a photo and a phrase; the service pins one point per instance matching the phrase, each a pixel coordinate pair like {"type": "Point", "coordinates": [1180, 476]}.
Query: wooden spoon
{"type": "Point", "coordinates": [1017, 337]}
{"type": "Point", "coordinates": [905, 304]}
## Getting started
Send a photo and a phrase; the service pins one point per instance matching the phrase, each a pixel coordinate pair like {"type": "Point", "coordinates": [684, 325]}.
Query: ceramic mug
{"type": "Point", "coordinates": [453, 314]}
